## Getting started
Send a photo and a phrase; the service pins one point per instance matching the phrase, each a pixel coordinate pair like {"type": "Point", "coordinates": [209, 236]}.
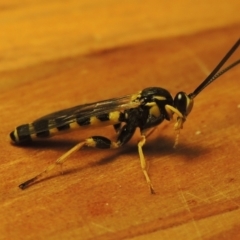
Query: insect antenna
{"type": "Point", "coordinates": [216, 73]}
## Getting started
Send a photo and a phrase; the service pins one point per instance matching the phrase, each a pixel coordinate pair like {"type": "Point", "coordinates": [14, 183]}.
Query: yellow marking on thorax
{"type": "Point", "coordinates": [136, 96]}
{"type": "Point", "coordinates": [160, 98]}
{"type": "Point", "coordinates": [155, 111]}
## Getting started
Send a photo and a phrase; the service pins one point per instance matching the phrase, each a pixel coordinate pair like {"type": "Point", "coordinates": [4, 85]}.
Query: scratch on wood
{"type": "Point", "coordinates": [189, 210]}
{"type": "Point", "coordinates": [221, 193]}
{"type": "Point", "coordinates": [198, 197]}
{"type": "Point", "coordinates": [197, 60]}
{"type": "Point", "coordinates": [102, 227]}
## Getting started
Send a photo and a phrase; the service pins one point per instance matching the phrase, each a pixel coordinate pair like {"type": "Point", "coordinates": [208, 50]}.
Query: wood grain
{"type": "Point", "coordinates": [33, 32]}
{"type": "Point", "coordinates": [120, 48]}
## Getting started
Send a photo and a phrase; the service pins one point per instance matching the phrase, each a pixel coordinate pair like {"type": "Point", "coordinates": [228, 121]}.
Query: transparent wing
{"type": "Point", "coordinates": [81, 112]}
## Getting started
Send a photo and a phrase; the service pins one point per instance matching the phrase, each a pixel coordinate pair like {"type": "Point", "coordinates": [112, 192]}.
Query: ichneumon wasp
{"type": "Point", "coordinates": [144, 110]}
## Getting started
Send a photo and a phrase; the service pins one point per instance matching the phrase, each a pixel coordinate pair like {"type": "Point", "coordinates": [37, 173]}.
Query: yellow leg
{"type": "Point", "coordinates": [148, 132]}
{"type": "Point", "coordinates": [144, 163]}
{"type": "Point", "coordinates": [60, 160]}
{"type": "Point", "coordinates": [95, 141]}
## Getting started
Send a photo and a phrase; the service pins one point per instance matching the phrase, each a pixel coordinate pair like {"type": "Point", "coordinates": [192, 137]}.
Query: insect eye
{"type": "Point", "coordinates": [183, 103]}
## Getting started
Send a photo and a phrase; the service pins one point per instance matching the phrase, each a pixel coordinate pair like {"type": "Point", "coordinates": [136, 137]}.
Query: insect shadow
{"type": "Point", "coordinates": [157, 147]}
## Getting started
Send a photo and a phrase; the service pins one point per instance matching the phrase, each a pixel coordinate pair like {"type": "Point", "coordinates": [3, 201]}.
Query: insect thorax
{"type": "Point", "coordinates": [153, 102]}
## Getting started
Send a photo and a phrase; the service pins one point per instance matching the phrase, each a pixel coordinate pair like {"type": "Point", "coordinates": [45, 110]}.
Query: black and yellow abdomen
{"type": "Point", "coordinates": [45, 127]}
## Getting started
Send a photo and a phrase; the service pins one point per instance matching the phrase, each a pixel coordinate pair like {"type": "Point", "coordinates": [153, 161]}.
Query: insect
{"type": "Point", "coordinates": [144, 110]}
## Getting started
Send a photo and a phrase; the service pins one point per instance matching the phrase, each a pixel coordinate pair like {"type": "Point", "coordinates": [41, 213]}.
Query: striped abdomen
{"type": "Point", "coordinates": [48, 127]}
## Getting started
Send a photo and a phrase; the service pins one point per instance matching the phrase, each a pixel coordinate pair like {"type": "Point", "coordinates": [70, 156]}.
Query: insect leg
{"type": "Point", "coordinates": [143, 162]}
{"type": "Point", "coordinates": [125, 135]}
{"type": "Point", "coordinates": [179, 123]}
{"type": "Point", "coordinates": [117, 127]}
{"type": "Point", "coordinates": [95, 141]}
{"type": "Point", "coordinates": [60, 160]}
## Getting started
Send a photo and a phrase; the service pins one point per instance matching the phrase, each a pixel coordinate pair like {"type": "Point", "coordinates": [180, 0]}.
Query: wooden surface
{"type": "Point", "coordinates": [56, 55]}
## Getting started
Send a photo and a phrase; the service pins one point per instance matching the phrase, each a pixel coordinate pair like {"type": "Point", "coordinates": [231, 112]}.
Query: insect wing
{"type": "Point", "coordinates": [81, 112]}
